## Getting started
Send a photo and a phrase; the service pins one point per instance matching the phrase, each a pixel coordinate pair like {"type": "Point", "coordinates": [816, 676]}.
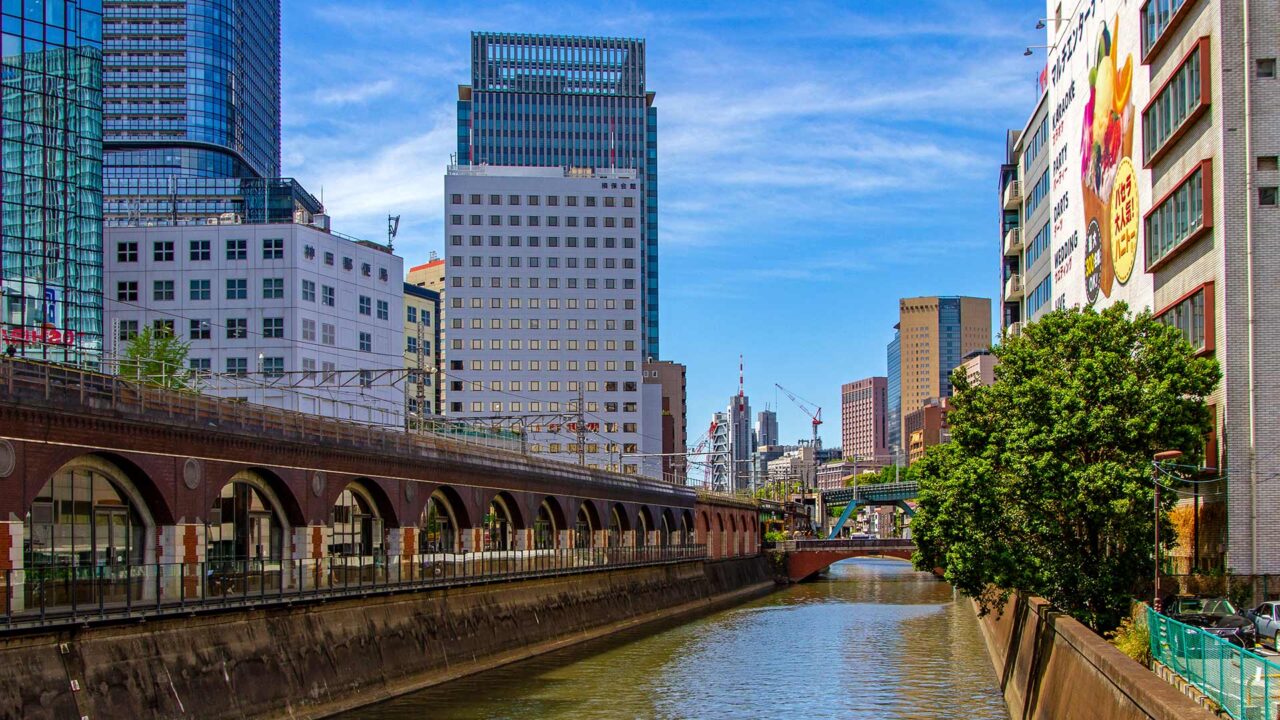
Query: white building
{"type": "Point", "coordinates": [795, 466]}
{"type": "Point", "coordinates": [263, 306]}
{"type": "Point", "coordinates": [543, 307]}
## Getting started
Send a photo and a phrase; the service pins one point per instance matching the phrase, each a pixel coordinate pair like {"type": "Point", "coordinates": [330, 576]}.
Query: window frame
{"type": "Point", "coordinates": [1192, 117]}
{"type": "Point", "coordinates": [1210, 311]}
{"type": "Point", "coordinates": [1205, 168]}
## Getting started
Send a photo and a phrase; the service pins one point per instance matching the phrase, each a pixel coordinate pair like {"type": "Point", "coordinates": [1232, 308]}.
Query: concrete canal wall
{"type": "Point", "coordinates": [1051, 666]}
{"type": "Point", "coordinates": [316, 659]}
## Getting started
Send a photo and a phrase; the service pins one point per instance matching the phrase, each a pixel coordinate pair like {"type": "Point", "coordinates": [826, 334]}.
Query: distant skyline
{"type": "Point", "coordinates": [816, 161]}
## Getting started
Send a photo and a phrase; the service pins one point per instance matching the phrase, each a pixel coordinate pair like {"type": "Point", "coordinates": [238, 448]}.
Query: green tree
{"type": "Point", "coordinates": [1046, 487]}
{"type": "Point", "coordinates": [156, 357]}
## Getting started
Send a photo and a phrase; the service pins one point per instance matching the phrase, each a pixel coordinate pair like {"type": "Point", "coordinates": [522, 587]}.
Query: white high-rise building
{"type": "Point", "coordinates": [282, 314]}
{"type": "Point", "coordinates": [543, 309]}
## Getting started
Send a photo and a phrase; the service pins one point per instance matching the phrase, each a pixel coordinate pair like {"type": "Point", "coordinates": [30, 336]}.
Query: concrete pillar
{"type": "Point", "coordinates": [12, 578]}
{"type": "Point", "coordinates": [628, 538]}
{"type": "Point", "coordinates": [182, 552]}
{"type": "Point", "coordinates": [395, 548]}
{"type": "Point", "coordinates": [600, 539]}
{"type": "Point", "coordinates": [309, 547]}
{"type": "Point", "coordinates": [472, 539]}
{"type": "Point", "coordinates": [522, 538]}
{"type": "Point", "coordinates": [567, 539]}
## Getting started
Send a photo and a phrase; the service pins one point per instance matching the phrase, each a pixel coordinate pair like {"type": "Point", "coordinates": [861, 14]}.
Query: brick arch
{"type": "Point", "coordinates": [146, 484]}
{"type": "Point", "coordinates": [703, 531]}
{"type": "Point", "coordinates": [292, 514]}
{"type": "Point", "coordinates": [377, 494]}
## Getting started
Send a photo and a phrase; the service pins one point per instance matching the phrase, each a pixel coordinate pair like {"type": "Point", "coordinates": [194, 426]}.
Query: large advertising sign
{"type": "Point", "coordinates": [1097, 89]}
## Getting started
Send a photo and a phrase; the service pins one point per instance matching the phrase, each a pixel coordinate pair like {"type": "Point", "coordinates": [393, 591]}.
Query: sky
{"type": "Point", "coordinates": [816, 161]}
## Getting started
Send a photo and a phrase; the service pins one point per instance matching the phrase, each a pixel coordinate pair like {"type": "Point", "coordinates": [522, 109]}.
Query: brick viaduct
{"type": "Point", "coordinates": [170, 455]}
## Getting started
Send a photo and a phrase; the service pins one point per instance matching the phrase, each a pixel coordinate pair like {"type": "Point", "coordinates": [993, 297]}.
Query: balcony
{"type": "Point", "coordinates": [1012, 195]}
{"type": "Point", "coordinates": [1013, 330]}
{"type": "Point", "coordinates": [1013, 287]}
{"type": "Point", "coordinates": [1013, 241]}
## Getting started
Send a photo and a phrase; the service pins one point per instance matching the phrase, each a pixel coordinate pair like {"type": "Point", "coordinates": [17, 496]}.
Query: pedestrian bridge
{"type": "Point", "coordinates": [806, 558]}
{"type": "Point", "coordinates": [884, 494]}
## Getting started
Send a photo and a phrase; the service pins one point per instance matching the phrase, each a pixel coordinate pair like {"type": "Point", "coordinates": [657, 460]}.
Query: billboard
{"type": "Point", "coordinates": [1097, 89]}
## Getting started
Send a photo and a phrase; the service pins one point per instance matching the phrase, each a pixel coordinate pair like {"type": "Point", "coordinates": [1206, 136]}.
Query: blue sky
{"type": "Point", "coordinates": [816, 161]}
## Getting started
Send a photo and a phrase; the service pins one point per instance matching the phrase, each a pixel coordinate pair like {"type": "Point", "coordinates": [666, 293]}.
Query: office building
{"type": "Point", "coordinates": [935, 333]}
{"type": "Point", "coordinates": [670, 377]}
{"type": "Point", "coordinates": [429, 275]}
{"type": "Point", "coordinates": [864, 419]}
{"type": "Point", "coordinates": [979, 368]}
{"type": "Point", "coordinates": [925, 427]}
{"type": "Point", "coordinates": [794, 469]}
{"type": "Point", "coordinates": [421, 349]}
{"type": "Point", "coordinates": [286, 315]}
{"type": "Point", "coordinates": [51, 251]}
{"type": "Point", "coordinates": [1170, 219]}
{"type": "Point", "coordinates": [893, 396]}
{"type": "Point", "coordinates": [766, 428]}
{"type": "Point", "coordinates": [565, 101]}
{"type": "Point", "coordinates": [191, 112]}
{"type": "Point", "coordinates": [720, 461]}
{"type": "Point", "coordinates": [544, 309]}
{"type": "Point", "coordinates": [740, 446]}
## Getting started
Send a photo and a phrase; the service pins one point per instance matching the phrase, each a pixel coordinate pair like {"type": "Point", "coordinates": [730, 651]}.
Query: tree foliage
{"type": "Point", "coordinates": [1046, 487]}
{"type": "Point", "coordinates": [156, 357]}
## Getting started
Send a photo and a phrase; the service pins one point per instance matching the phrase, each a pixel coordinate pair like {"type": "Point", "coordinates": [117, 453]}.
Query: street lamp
{"type": "Point", "coordinates": [1162, 456]}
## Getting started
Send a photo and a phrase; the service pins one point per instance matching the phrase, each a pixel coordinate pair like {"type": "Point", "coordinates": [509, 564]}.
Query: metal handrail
{"type": "Point", "coordinates": [64, 595]}
{"type": "Point", "coordinates": [1242, 683]}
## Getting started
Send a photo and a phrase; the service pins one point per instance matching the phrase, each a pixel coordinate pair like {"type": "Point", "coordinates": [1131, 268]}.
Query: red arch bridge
{"type": "Point", "coordinates": [119, 500]}
{"type": "Point", "coordinates": [805, 559]}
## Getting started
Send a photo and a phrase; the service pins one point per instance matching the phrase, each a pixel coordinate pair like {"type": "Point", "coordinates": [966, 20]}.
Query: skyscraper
{"type": "Point", "coordinates": [864, 419]}
{"type": "Point", "coordinates": [766, 428]}
{"type": "Point", "coordinates": [51, 252]}
{"type": "Point", "coordinates": [934, 334]}
{"type": "Point", "coordinates": [191, 116]}
{"type": "Point", "coordinates": [893, 396]}
{"type": "Point", "coordinates": [556, 100]}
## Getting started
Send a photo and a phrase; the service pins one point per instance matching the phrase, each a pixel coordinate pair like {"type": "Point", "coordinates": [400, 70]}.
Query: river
{"type": "Point", "coordinates": [872, 640]}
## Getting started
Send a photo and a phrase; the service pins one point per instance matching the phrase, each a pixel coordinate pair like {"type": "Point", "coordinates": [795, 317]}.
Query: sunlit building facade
{"type": "Point", "coordinates": [51, 255]}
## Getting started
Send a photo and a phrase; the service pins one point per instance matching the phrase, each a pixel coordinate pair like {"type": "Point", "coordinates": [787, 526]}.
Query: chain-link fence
{"type": "Point", "coordinates": [1245, 685]}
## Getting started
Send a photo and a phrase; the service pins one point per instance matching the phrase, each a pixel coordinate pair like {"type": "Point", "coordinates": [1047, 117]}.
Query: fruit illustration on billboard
{"type": "Point", "coordinates": [1106, 140]}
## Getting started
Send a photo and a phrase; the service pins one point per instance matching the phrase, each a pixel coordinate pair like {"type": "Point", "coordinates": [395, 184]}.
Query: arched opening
{"type": "Point", "coordinates": [733, 534]}
{"type": "Point", "coordinates": [245, 523]}
{"type": "Point", "coordinates": [704, 529]}
{"type": "Point", "coordinates": [618, 524]}
{"type": "Point", "coordinates": [85, 531]}
{"type": "Point", "coordinates": [357, 528]}
{"type": "Point", "coordinates": [668, 527]}
{"type": "Point", "coordinates": [547, 525]}
{"type": "Point", "coordinates": [686, 528]}
{"type": "Point", "coordinates": [585, 526]}
{"type": "Point", "coordinates": [500, 523]}
{"type": "Point", "coordinates": [722, 538]}
{"type": "Point", "coordinates": [644, 523]}
{"type": "Point", "coordinates": [438, 526]}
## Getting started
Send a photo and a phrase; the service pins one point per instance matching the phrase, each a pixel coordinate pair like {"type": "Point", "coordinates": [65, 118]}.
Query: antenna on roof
{"type": "Point", "coordinates": [393, 227]}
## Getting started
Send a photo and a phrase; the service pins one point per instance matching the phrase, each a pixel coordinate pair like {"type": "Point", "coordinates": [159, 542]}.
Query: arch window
{"type": "Point", "coordinates": [243, 525]}
{"type": "Point", "coordinates": [357, 529]}
{"type": "Point", "coordinates": [438, 532]}
{"type": "Point", "coordinates": [83, 517]}
{"type": "Point", "coordinates": [545, 532]}
{"type": "Point", "coordinates": [498, 526]}
{"type": "Point", "coordinates": [642, 531]}
{"type": "Point", "coordinates": [583, 529]}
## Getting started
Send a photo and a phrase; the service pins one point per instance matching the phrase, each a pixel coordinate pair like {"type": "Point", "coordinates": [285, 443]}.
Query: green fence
{"type": "Point", "coordinates": [1244, 684]}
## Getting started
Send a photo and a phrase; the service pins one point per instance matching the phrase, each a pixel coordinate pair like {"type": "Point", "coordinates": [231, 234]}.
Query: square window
{"type": "Point", "coordinates": [237, 328]}
{"type": "Point", "coordinates": [237, 249]}
{"type": "Point", "coordinates": [1267, 162]}
{"type": "Point", "coordinates": [273, 327]}
{"type": "Point", "coordinates": [308, 330]}
{"type": "Point", "coordinates": [162, 251]}
{"type": "Point", "coordinates": [200, 289]}
{"type": "Point", "coordinates": [366, 305]}
{"type": "Point", "coordinates": [127, 291]}
{"type": "Point", "coordinates": [199, 329]}
{"type": "Point", "coordinates": [272, 288]}
{"type": "Point", "coordinates": [126, 252]}
{"type": "Point", "coordinates": [273, 248]}
{"type": "Point", "coordinates": [1266, 67]}
{"type": "Point", "coordinates": [201, 366]}
{"type": "Point", "coordinates": [328, 335]}
{"type": "Point", "coordinates": [128, 330]}
{"type": "Point", "coordinates": [384, 311]}
{"type": "Point", "coordinates": [327, 296]}
{"type": "Point", "coordinates": [1267, 196]}
{"type": "Point", "coordinates": [366, 342]}
{"type": "Point", "coordinates": [162, 290]}
{"type": "Point", "coordinates": [199, 250]}
{"type": "Point", "coordinates": [237, 366]}
{"type": "Point", "coordinates": [308, 291]}
{"type": "Point", "coordinates": [272, 366]}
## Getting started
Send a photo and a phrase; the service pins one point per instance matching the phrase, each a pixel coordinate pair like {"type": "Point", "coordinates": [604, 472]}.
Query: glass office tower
{"type": "Point", "coordinates": [192, 93]}
{"type": "Point", "coordinates": [893, 395]}
{"type": "Point", "coordinates": [51, 226]}
{"type": "Point", "coordinates": [557, 100]}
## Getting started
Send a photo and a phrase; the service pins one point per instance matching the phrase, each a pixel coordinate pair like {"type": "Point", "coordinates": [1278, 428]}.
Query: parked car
{"type": "Point", "coordinates": [1215, 615]}
{"type": "Point", "coordinates": [1266, 620]}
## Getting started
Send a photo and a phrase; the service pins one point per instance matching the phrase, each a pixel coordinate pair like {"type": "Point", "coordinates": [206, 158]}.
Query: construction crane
{"type": "Point", "coordinates": [814, 413]}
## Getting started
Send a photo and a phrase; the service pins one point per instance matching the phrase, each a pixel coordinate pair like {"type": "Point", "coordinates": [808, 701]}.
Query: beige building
{"type": "Point", "coordinates": [671, 377]}
{"type": "Point", "coordinates": [934, 333]}
{"type": "Point", "coordinates": [980, 368]}
{"type": "Point", "coordinates": [422, 349]}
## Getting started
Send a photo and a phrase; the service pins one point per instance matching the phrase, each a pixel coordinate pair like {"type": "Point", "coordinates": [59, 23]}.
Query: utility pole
{"type": "Point", "coordinates": [582, 429]}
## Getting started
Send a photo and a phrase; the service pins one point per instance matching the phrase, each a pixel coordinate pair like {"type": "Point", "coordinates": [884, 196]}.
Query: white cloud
{"type": "Point", "coordinates": [354, 93]}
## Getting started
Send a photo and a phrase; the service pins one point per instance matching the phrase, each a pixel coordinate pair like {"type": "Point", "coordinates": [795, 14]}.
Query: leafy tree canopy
{"type": "Point", "coordinates": [156, 357]}
{"type": "Point", "coordinates": [1046, 487]}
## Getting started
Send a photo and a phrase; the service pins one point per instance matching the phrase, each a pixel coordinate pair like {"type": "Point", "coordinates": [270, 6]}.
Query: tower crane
{"type": "Point", "coordinates": [811, 409]}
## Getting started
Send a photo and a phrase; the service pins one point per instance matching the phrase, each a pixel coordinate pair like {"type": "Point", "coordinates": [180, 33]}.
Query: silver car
{"type": "Point", "coordinates": [1266, 618]}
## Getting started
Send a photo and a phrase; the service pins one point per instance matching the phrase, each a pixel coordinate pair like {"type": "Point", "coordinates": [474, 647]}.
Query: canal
{"type": "Point", "coordinates": [872, 640]}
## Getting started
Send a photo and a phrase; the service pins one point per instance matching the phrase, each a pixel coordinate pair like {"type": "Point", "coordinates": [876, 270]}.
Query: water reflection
{"type": "Point", "coordinates": [873, 640]}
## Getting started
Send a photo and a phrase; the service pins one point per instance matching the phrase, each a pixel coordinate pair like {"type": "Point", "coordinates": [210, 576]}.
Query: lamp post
{"type": "Point", "coordinates": [1162, 456]}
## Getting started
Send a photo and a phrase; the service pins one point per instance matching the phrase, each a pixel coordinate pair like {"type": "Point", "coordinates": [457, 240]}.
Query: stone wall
{"type": "Point", "coordinates": [315, 659]}
{"type": "Point", "coordinates": [1052, 667]}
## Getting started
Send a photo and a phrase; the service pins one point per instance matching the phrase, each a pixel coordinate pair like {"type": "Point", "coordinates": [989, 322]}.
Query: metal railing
{"type": "Point", "coordinates": [58, 385]}
{"type": "Point", "coordinates": [868, 544]}
{"type": "Point", "coordinates": [1244, 684]}
{"type": "Point", "coordinates": [42, 597]}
